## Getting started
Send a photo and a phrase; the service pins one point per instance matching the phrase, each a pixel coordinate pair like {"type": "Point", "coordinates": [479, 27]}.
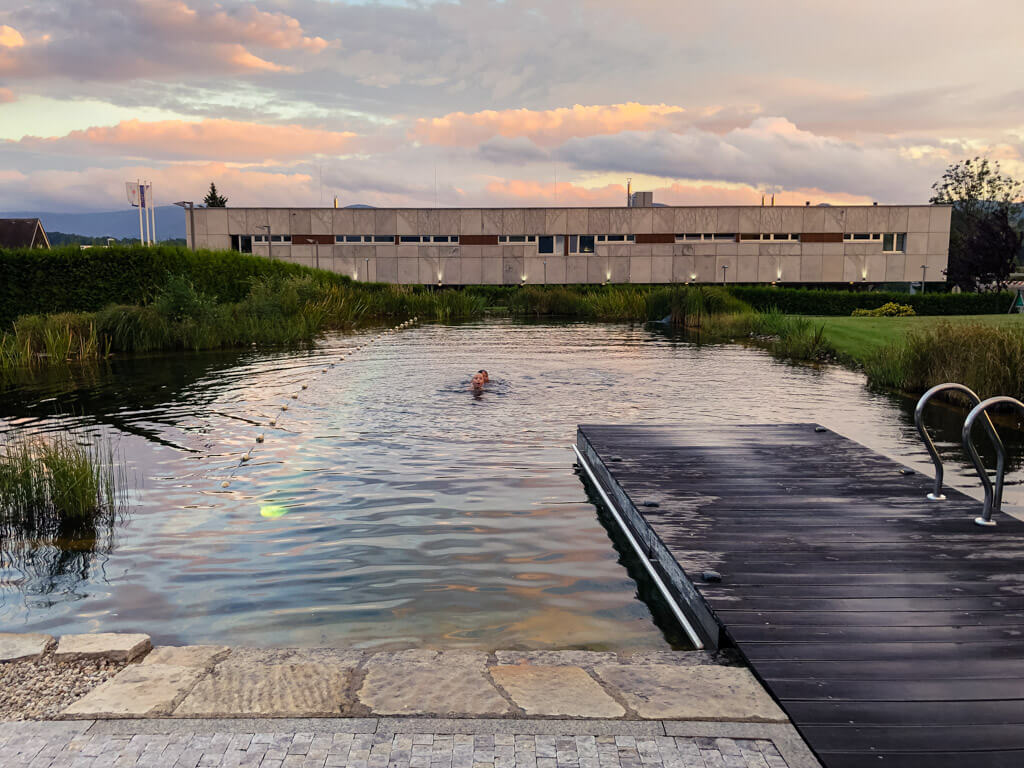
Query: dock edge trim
{"type": "Point", "coordinates": [670, 598]}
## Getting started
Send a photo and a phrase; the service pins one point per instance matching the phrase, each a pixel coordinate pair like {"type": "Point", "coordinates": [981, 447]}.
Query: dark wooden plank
{"type": "Point", "coordinates": [908, 713]}
{"type": "Point", "coordinates": [889, 627]}
{"type": "Point", "coordinates": [958, 759]}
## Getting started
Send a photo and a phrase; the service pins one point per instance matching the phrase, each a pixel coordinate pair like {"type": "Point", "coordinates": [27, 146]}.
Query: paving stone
{"type": "Point", "coordinates": [138, 690]}
{"type": "Point", "coordinates": [203, 656]}
{"type": "Point", "coordinates": [108, 645]}
{"type": "Point", "coordinates": [15, 646]}
{"type": "Point", "coordinates": [666, 692]}
{"type": "Point", "coordinates": [555, 690]}
{"type": "Point", "coordinates": [448, 689]}
{"type": "Point", "coordinates": [248, 657]}
{"type": "Point", "coordinates": [675, 658]}
{"type": "Point", "coordinates": [426, 656]}
{"type": "Point", "coordinates": [277, 690]}
{"type": "Point", "coordinates": [557, 658]}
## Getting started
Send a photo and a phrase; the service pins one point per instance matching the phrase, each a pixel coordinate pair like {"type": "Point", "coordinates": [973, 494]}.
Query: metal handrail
{"type": "Point", "coordinates": [937, 494]}
{"type": "Point", "coordinates": [993, 497]}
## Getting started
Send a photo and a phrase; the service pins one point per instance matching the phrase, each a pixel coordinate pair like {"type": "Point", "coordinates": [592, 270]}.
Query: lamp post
{"type": "Point", "coordinates": [724, 267]}
{"type": "Point", "coordinates": [366, 276]}
{"type": "Point", "coordinates": [270, 248]}
{"type": "Point", "coordinates": [924, 271]}
{"type": "Point", "coordinates": [191, 219]}
{"type": "Point", "coordinates": [545, 271]}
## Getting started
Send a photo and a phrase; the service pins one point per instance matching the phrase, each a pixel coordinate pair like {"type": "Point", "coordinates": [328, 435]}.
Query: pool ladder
{"type": "Point", "coordinates": [993, 492]}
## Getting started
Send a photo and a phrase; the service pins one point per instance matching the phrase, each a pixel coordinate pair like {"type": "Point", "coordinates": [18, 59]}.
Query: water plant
{"type": "Point", "coordinates": [58, 484]}
{"type": "Point", "coordinates": [987, 358]}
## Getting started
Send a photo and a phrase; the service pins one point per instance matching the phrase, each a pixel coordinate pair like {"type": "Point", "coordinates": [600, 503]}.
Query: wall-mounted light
{"type": "Point", "coordinates": [523, 279]}
{"type": "Point", "coordinates": [693, 275]}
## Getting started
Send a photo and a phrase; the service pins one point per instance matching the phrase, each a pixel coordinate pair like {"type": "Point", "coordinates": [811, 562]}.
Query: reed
{"type": "Point", "coordinates": [987, 358]}
{"type": "Point", "coordinates": [62, 484]}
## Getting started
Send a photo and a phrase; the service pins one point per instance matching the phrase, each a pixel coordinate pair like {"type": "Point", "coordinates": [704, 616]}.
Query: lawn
{"type": "Point", "coordinates": [855, 337]}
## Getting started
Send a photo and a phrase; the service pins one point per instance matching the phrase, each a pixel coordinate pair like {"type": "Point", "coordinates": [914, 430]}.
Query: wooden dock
{"type": "Point", "coordinates": [889, 628]}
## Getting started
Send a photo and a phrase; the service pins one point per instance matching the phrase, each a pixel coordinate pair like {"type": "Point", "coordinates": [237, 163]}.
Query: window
{"type": "Point", "coordinates": [747, 237]}
{"type": "Point", "coordinates": [616, 238]}
{"type": "Point", "coordinates": [280, 238]}
{"type": "Point", "coordinates": [586, 244]}
{"type": "Point", "coordinates": [348, 238]}
{"type": "Point", "coordinates": [859, 236]}
{"type": "Point", "coordinates": [546, 244]}
{"type": "Point", "coordinates": [602, 238]}
{"type": "Point", "coordinates": [722, 237]}
{"type": "Point", "coordinates": [384, 239]}
{"type": "Point", "coordinates": [631, 238]}
{"type": "Point", "coordinates": [894, 242]}
{"type": "Point", "coordinates": [259, 238]}
{"type": "Point", "coordinates": [440, 238]}
{"type": "Point", "coordinates": [410, 239]}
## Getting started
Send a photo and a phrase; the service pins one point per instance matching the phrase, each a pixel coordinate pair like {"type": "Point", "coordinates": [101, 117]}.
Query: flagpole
{"type": "Point", "coordinates": [145, 213]}
{"type": "Point", "coordinates": [152, 209]}
{"type": "Point", "coordinates": [142, 237]}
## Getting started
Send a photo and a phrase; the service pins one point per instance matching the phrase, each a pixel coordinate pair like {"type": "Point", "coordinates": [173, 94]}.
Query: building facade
{"type": "Point", "coordinates": [657, 244]}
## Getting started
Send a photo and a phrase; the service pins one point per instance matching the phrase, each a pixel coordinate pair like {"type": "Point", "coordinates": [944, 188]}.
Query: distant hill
{"type": "Point", "coordinates": [170, 222]}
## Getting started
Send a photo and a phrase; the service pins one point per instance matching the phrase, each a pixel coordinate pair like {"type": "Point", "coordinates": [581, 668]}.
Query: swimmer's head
{"type": "Point", "coordinates": [477, 381]}
{"type": "Point", "coordinates": [483, 373]}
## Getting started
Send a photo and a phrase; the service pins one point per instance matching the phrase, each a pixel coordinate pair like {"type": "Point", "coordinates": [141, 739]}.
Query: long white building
{"type": "Point", "coordinates": [652, 244]}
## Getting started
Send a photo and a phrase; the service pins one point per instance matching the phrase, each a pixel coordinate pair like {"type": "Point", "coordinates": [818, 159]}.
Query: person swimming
{"type": "Point", "coordinates": [477, 382]}
{"type": "Point", "coordinates": [483, 373]}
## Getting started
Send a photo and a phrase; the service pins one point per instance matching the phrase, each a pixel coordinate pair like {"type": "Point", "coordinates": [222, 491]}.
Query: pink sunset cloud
{"type": "Point", "coordinates": [217, 139]}
{"type": "Point", "coordinates": [546, 128]}
{"type": "Point", "coordinates": [526, 192]}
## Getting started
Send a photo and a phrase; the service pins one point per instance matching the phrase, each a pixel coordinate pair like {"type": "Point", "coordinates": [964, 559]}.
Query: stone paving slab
{"type": "Point", "coordinates": [108, 645]}
{"type": "Point", "coordinates": [230, 748]}
{"type": "Point", "coordinates": [138, 690]}
{"type": "Point", "coordinates": [555, 691]}
{"type": "Point", "coordinates": [28, 645]}
{"type": "Point", "coordinates": [285, 690]}
{"type": "Point", "coordinates": [202, 656]}
{"type": "Point", "coordinates": [449, 689]}
{"type": "Point", "coordinates": [666, 692]}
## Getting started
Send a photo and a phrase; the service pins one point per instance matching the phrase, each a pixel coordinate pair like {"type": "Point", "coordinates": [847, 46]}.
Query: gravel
{"type": "Point", "coordinates": [41, 690]}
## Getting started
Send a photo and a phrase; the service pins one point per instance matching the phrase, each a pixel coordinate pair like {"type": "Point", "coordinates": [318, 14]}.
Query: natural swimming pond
{"type": "Point", "coordinates": [391, 506]}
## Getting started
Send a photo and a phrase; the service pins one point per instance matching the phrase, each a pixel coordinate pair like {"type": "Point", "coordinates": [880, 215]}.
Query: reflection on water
{"type": "Point", "coordinates": [392, 507]}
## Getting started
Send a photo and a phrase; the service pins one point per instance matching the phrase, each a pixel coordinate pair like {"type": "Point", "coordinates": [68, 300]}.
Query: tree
{"type": "Point", "coordinates": [214, 200]}
{"type": "Point", "coordinates": [985, 226]}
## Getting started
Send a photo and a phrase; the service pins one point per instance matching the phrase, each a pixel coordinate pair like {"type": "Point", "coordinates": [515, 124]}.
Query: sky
{"type": "Point", "coordinates": [502, 102]}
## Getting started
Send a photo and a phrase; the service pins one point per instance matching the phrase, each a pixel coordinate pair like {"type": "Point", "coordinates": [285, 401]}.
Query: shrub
{"type": "Point", "coordinates": [889, 309]}
{"type": "Point", "coordinates": [805, 301]}
{"type": "Point", "coordinates": [34, 281]}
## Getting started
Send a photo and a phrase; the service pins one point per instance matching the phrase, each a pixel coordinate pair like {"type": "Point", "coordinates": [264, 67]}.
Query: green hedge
{"type": "Point", "coordinates": [70, 279]}
{"type": "Point", "coordinates": [807, 301]}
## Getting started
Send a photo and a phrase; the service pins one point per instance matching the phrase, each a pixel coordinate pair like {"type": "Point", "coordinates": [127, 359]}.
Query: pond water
{"type": "Point", "coordinates": [390, 507]}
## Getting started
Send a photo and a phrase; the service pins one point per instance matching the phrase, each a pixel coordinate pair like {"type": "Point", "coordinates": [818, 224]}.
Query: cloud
{"type": "Point", "coordinates": [222, 140]}
{"type": "Point", "coordinates": [86, 40]}
{"type": "Point", "coordinates": [526, 192]}
{"type": "Point", "coordinates": [548, 127]}
{"type": "Point", "coordinates": [770, 153]}
{"type": "Point", "coordinates": [103, 188]}
{"type": "Point", "coordinates": [10, 37]}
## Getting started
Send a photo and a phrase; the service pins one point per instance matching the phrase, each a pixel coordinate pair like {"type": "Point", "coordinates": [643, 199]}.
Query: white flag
{"type": "Point", "coordinates": [132, 188]}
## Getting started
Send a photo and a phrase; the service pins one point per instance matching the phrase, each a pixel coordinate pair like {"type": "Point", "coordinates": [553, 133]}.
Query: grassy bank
{"type": "Point", "coordinates": [858, 337]}
{"type": "Point", "coordinates": [986, 356]}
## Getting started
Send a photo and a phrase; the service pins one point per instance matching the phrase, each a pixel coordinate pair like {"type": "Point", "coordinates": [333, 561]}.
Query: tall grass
{"type": "Point", "coordinates": [682, 306]}
{"type": "Point", "coordinates": [987, 358]}
{"type": "Point", "coordinates": [58, 485]}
